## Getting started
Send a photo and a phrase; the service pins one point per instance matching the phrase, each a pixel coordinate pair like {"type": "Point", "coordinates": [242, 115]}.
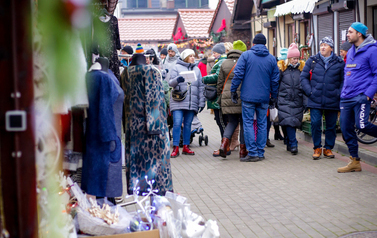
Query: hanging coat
{"type": "Point", "coordinates": [147, 146]}
{"type": "Point", "coordinates": [103, 145]}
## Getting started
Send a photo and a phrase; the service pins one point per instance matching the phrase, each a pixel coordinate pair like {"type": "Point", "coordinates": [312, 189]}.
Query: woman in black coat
{"type": "Point", "coordinates": [290, 99]}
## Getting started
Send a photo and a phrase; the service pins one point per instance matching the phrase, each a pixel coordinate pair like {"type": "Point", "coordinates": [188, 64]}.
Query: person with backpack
{"type": "Point", "coordinates": [322, 82]}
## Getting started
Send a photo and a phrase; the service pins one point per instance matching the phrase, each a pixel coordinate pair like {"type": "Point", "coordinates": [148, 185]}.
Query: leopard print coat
{"type": "Point", "coordinates": [147, 146]}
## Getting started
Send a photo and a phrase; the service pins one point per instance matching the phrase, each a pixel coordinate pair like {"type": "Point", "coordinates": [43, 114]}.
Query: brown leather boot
{"type": "Point", "coordinates": [224, 147]}
{"type": "Point", "coordinates": [234, 143]}
{"type": "Point", "coordinates": [317, 153]}
{"type": "Point", "coordinates": [353, 166]}
{"type": "Point", "coordinates": [175, 152]}
{"type": "Point", "coordinates": [328, 153]}
{"type": "Point", "coordinates": [243, 151]}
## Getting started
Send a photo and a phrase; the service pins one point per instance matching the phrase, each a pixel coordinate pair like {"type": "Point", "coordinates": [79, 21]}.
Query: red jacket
{"type": "Point", "coordinates": [203, 68]}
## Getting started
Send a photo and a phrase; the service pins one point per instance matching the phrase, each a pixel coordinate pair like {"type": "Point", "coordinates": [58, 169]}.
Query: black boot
{"type": "Point", "coordinates": [277, 135]}
{"type": "Point", "coordinates": [269, 143]}
{"type": "Point", "coordinates": [294, 150]}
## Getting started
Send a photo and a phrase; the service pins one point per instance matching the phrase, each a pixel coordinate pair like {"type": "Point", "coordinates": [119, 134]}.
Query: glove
{"type": "Point", "coordinates": [167, 70]}
{"type": "Point", "coordinates": [180, 79]}
{"type": "Point", "coordinates": [234, 97]}
{"type": "Point", "coordinates": [273, 101]}
{"type": "Point", "coordinates": [201, 109]}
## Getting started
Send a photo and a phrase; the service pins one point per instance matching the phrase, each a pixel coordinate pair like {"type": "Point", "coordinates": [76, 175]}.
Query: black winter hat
{"type": "Point", "coordinates": [128, 49]}
{"type": "Point", "coordinates": [346, 46]}
{"type": "Point", "coordinates": [259, 39]}
{"type": "Point", "coordinates": [164, 51]}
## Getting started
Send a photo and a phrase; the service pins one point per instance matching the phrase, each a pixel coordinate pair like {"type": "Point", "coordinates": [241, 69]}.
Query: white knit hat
{"type": "Point", "coordinates": [186, 53]}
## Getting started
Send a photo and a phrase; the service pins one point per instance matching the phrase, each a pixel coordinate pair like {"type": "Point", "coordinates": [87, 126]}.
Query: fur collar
{"type": "Point", "coordinates": [282, 66]}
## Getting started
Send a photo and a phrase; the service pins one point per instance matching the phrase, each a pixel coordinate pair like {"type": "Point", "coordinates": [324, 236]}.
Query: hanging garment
{"type": "Point", "coordinates": [147, 146]}
{"type": "Point", "coordinates": [103, 145]}
{"type": "Point", "coordinates": [107, 44]}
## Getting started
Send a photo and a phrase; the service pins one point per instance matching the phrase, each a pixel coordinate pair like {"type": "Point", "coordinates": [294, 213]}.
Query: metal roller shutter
{"type": "Point", "coordinates": [325, 26]}
{"type": "Point", "coordinates": [346, 18]}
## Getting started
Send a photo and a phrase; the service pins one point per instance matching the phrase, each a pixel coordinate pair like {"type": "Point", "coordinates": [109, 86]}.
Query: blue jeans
{"type": "Point", "coordinates": [291, 137]}
{"type": "Point", "coordinates": [186, 117]}
{"type": "Point", "coordinates": [355, 112]}
{"type": "Point", "coordinates": [255, 147]}
{"type": "Point", "coordinates": [316, 125]}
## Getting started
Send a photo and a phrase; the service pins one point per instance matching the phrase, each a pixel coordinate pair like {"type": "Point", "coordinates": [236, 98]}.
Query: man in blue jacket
{"type": "Point", "coordinates": [322, 81]}
{"type": "Point", "coordinates": [258, 72]}
{"type": "Point", "coordinates": [360, 85]}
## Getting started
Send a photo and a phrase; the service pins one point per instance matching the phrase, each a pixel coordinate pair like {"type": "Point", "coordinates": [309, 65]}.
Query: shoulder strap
{"type": "Point", "coordinates": [226, 80]}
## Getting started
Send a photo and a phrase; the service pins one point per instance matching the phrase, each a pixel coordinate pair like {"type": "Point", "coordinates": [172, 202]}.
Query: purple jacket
{"type": "Point", "coordinates": [360, 72]}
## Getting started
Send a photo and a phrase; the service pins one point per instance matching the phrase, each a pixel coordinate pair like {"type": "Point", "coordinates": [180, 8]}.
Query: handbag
{"type": "Point", "coordinates": [274, 114]}
{"type": "Point", "coordinates": [210, 92]}
{"type": "Point", "coordinates": [178, 95]}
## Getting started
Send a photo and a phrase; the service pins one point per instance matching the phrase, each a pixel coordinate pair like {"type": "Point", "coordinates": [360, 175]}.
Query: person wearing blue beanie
{"type": "Point", "coordinates": [360, 86]}
{"type": "Point", "coordinates": [360, 27]}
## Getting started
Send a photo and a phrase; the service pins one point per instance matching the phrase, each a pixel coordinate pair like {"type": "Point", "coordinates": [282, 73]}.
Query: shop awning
{"type": "Point", "coordinates": [295, 7]}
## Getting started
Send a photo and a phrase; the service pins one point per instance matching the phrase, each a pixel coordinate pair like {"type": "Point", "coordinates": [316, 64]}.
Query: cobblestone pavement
{"type": "Point", "coordinates": [281, 196]}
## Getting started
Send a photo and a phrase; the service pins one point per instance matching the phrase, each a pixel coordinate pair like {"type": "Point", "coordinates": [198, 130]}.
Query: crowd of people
{"type": "Point", "coordinates": [250, 82]}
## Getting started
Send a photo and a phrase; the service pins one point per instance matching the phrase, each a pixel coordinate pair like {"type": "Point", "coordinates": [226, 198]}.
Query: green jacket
{"type": "Point", "coordinates": [212, 80]}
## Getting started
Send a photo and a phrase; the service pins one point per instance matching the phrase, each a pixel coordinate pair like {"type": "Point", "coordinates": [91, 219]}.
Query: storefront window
{"type": "Point", "coordinates": [190, 3]}
{"type": "Point", "coordinates": [291, 33]}
{"type": "Point", "coordinates": [137, 3]}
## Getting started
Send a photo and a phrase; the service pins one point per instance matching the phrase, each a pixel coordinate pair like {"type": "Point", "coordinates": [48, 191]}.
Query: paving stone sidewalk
{"type": "Point", "coordinates": [281, 196]}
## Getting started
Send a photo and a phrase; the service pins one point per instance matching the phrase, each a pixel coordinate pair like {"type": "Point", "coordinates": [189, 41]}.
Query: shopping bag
{"type": "Point", "coordinates": [274, 115]}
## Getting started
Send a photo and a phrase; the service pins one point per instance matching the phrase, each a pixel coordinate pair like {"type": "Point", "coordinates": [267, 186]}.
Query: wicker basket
{"type": "Point", "coordinates": [96, 226]}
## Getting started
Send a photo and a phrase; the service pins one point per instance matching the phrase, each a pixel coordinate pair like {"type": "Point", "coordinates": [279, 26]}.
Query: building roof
{"type": "Point", "coordinates": [196, 21]}
{"type": "Point", "coordinates": [229, 4]}
{"type": "Point", "coordinates": [146, 29]}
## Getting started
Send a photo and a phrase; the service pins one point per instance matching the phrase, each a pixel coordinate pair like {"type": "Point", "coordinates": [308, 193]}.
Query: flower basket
{"type": "Point", "coordinates": [96, 226]}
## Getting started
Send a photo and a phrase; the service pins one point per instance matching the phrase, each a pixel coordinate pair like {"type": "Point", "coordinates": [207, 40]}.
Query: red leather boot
{"type": "Point", "coordinates": [224, 147]}
{"type": "Point", "coordinates": [175, 152]}
{"type": "Point", "coordinates": [243, 151]}
{"type": "Point", "coordinates": [186, 150]}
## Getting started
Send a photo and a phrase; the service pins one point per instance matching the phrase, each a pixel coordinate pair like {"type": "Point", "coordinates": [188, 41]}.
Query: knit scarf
{"type": "Point", "coordinates": [326, 60]}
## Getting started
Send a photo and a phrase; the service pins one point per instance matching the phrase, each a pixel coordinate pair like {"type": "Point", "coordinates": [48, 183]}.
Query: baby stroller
{"type": "Point", "coordinates": [196, 128]}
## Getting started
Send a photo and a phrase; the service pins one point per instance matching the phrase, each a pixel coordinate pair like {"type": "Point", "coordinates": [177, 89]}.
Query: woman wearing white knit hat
{"type": "Point", "coordinates": [186, 100]}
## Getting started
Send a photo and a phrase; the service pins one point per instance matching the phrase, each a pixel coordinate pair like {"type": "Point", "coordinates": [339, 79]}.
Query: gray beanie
{"type": "Point", "coordinates": [219, 48]}
{"type": "Point", "coordinates": [327, 40]}
{"type": "Point", "coordinates": [346, 46]}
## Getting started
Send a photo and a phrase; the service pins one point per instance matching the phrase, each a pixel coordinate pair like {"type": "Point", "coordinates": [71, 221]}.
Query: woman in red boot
{"type": "Point", "coordinates": [186, 100]}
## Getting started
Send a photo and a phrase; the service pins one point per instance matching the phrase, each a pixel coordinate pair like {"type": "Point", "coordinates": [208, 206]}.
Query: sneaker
{"type": "Point", "coordinates": [261, 158]}
{"type": "Point", "coordinates": [249, 158]}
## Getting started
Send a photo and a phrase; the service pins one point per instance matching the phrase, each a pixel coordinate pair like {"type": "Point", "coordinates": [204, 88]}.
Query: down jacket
{"type": "Point", "coordinates": [195, 98]}
{"type": "Point", "coordinates": [290, 96]}
{"type": "Point", "coordinates": [227, 106]}
{"type": "Point", "coordinates": [323, 90]}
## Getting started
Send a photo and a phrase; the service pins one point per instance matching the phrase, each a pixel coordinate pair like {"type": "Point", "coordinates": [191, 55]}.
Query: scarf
{"type": "Point", "coordinates": [326, 60]}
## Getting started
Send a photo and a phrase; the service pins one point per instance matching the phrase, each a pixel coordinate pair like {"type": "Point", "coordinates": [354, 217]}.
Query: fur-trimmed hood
{"type": "Point", "coordinates": [282, 66]}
